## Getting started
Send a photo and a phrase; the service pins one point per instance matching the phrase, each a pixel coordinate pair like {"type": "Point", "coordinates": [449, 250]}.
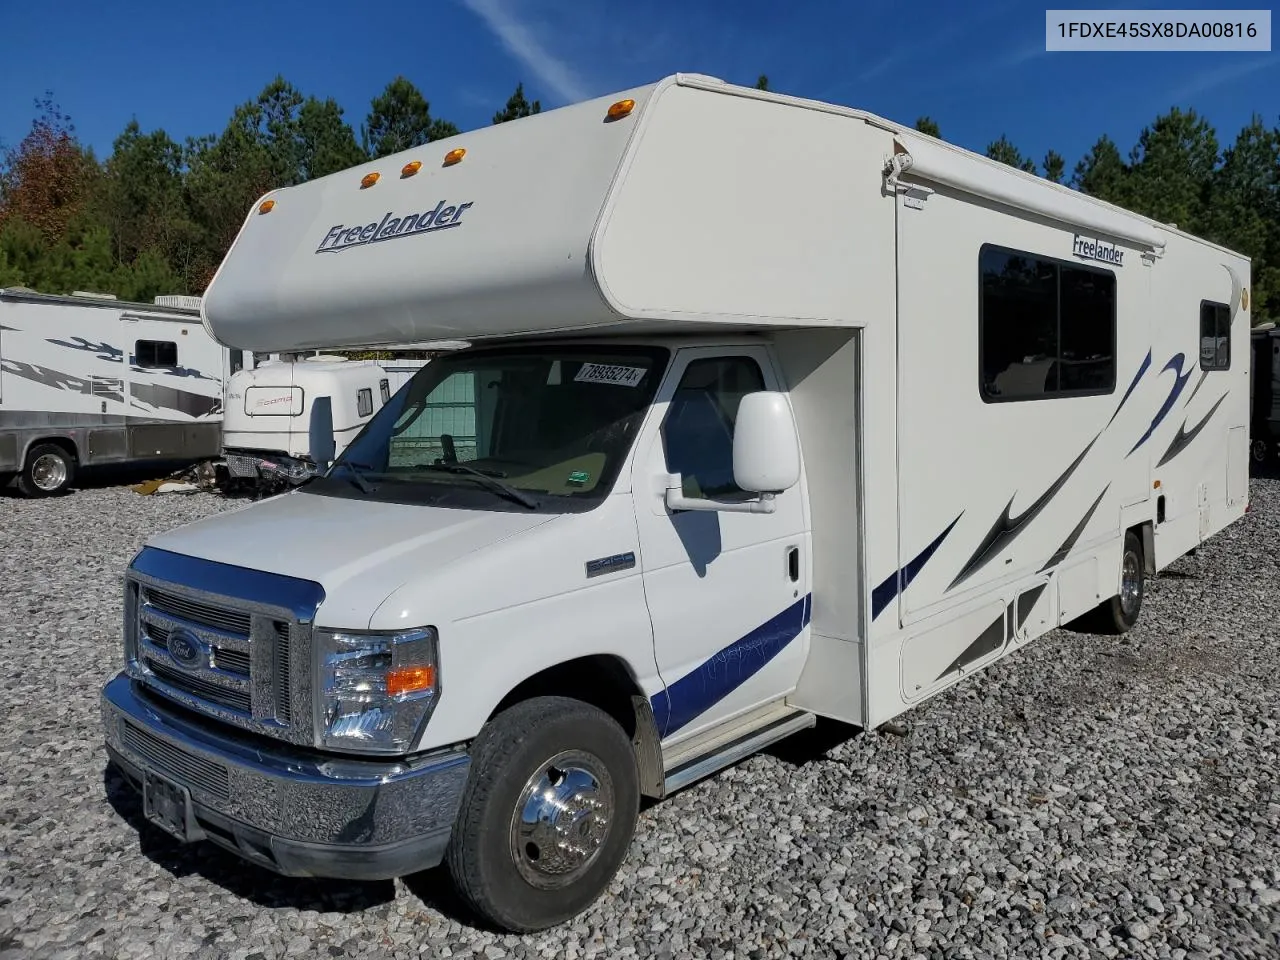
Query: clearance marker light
{"type": "Point", "coordinates": [410, 168]}
{"type": "Point", "coordinates": [266, 206]}
{"type": "Point", "coordinates": [620, 109]}
{"type": "Point", "coordinates": [454, 156]}
{"type": "Point", "coordinates": [369, 180]}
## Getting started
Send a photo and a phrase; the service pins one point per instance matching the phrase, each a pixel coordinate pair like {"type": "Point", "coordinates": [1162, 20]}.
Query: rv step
{"type": "Point", "coordinates": [712, 752]}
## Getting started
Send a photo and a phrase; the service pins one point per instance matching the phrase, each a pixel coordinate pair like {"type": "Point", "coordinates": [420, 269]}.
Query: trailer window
{"type": "Point", "coordinates": [1046, 328]}
{"type": "Point", "coordinates": [1215, 336]}
{"type": "Point", "coordinates": [155, 353]}
{"type": "Point", "coordinates": [698, 431]}
{"type": "Point", "coordinates": [364, 401]}
{"type": "Point", "coordinates": [385, 387]}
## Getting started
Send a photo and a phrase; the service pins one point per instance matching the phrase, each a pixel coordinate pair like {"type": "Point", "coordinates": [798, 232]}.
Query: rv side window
{"type": "Point", "coordinates": [385, 387]}
{"type": "Point", "coordinates": [364, 402]}
{"type": "Point", "coordinates": [698, 431]}
{"type": "Point", "coordinates": [1047, 328]}
{"type": "Point", "coordinates": [237, 360]}
{"type": "Point", "coordinates": [1215, 336]}
{"type": "Point", "coordinates": [156, 353]}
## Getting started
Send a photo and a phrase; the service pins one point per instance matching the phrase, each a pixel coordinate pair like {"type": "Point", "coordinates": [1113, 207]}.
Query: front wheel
{"type": "Point", "coordinates": [547, 816]}
{"type": "Point", "coordinates": [49, 470]}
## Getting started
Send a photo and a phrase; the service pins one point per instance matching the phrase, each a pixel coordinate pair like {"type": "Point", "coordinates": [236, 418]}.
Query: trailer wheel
{"type": "Point", "coordinates": [1264, 451]}
{"type": "Point", "coordinates": [49, 470]}
{"type": "Point", "coordinates": [547, 816]}
{"type": "Point", "coordinates": [1120, 613]}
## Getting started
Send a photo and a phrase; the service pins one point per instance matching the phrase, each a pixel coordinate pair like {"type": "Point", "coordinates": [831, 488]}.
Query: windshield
{"type": "Point", "coordinates": [515, 428]}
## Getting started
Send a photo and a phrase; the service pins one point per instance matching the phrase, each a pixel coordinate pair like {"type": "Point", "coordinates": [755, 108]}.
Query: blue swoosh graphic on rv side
{"type": "Point", "coordinates": [722, 673]}
{"type": "Point", "coordinates": [1175, 364]}
{"type": "Point", "coordinates": [898, 581]}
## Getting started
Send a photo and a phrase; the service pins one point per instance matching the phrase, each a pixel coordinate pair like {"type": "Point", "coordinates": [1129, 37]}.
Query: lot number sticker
{"type": "Point", "coordinates": [610, 373]}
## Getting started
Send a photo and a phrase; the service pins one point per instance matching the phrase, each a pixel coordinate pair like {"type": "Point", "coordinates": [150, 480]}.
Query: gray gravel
{"type": "Point", "coordinates": [1088, 797]}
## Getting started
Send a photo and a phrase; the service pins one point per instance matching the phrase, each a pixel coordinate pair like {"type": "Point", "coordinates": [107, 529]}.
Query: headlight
{"type": "Point", "coordinates": [378, 689]}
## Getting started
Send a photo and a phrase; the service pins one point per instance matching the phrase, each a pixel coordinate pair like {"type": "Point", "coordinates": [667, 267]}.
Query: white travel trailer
{"type": "Point", "coordinates": [88, 379]}
{"type": "Point", "coordinates": [777, 410]}
{"type": "Point", "coordinates": [273, 412]}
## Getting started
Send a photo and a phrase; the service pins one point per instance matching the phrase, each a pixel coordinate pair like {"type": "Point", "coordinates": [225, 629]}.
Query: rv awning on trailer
{"type": "Point", "coordinates": [934, 161]}
{"type": "Point", "coordinates": [480, 234]}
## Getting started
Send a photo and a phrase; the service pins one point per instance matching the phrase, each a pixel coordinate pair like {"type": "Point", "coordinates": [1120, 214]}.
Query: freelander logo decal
{"type": "Point", "coordinates": [445, 216]}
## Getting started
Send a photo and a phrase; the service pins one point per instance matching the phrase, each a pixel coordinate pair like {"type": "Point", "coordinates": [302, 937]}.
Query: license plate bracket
{"type": "Point", "coordinates": [168, 806]}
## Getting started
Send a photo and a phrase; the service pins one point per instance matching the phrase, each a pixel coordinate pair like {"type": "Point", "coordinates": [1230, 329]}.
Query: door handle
{"type": "Point", "coordinates": [793, 563]}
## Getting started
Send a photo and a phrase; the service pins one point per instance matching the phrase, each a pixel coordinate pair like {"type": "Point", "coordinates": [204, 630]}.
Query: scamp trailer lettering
{"type": "Point", "coordinates": [341, 237]}
{"type": "Point", "coordinates": [697, 480]}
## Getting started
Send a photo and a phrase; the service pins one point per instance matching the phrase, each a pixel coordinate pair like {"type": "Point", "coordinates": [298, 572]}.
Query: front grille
{"type": "Point", "coordinates": [233, 659]}
{"type": "Point", "coordinates": [189, 769]}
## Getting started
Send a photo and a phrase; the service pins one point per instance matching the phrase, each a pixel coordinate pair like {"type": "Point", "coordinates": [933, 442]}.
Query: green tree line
{"type": "Point", "coordinates": [157, 216]}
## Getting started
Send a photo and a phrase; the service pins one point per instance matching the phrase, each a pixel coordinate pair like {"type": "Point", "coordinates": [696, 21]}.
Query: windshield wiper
{"type": "Point", "coordinates": [355, 470]}
{"type": "Point", "coordinates": [508, 491]}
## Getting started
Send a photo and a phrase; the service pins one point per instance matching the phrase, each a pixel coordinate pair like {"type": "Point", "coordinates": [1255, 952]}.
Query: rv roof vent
{"type": "Point", "coordinates": [178, 300]}
{"type": "Point", "coordinates": [93, 296]}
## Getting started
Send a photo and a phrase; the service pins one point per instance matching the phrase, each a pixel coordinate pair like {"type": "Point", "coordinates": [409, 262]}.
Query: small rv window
{"type": "Point", "coordinates": [156, 353]}
{"type": "Point", "coordinates": [237, 360]}
{"type": "Point", "coordinates": [385, 387]}
{"type": "Point", "coordinates": [364, 402]}
{"type": "Point", "coordinates": [1046, 328]}
{"type": "Point", "coordinates": [1215, 336]}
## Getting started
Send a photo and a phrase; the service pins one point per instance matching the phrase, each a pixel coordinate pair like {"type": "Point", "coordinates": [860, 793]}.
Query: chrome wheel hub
{"type": "Point", "coordinates": [49, 472]}
{"type": "Point", "coordinates": [1130, 584]}
{"type": "Point", "coordinates": [561, 819]}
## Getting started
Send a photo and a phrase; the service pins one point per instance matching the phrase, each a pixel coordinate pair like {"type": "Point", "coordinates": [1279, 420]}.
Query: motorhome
{"type": "Point", "coordinates": [88, 379]}
{"type": "Point", "coordinates": [773, 410]}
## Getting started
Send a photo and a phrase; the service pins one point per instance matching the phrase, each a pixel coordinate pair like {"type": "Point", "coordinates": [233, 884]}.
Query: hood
{"type": "Point", "coordinates": [360, 551]}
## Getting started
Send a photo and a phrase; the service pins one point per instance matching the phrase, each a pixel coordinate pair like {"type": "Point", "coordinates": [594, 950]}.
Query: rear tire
{"type": "Point", "coordinates": [1120, 613]}
{"type": "Point", "coordinates": [547, 816]}
{"type": "Point", "coordinates": [49, 470]}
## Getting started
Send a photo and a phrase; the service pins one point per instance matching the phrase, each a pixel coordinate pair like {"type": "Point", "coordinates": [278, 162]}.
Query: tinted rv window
{"type": "Point", "coordinates": [364, 402]}
{"type": "Point", "coordinates": [156, 353]}
{"type": "Point", "coordinates": [385, 387]}
{"type": "Point", "coordinates": [1215, 336]}
{"type": "Point", "coordinates": [1047, 328]}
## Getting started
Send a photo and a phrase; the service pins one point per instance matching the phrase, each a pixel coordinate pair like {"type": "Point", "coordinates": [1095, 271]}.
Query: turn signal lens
{"type": "Point", "coordinates": [621, 109]}
{"type": "Point", "coordinates": [410, 168]}
{"type": "Point", "coordinates": [266, 206]}
{"type": "Point", "coordinates": [410, 680]}
{"type": "Point", "coordinates": [369, 180]}
{"type": "Point", "coordinates": [453, 156]}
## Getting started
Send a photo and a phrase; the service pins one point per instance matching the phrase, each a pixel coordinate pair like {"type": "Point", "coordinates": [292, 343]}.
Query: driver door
{"type": "Point", "coordinates": [728, 593]}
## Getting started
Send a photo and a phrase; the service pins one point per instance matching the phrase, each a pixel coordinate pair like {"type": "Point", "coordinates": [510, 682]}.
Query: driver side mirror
{"type": "Point", "coordinates": [766, 457]}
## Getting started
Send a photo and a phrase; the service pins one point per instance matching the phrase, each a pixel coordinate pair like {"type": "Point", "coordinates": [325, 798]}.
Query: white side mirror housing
{"type": "Point", "coordinates": [766, 448]}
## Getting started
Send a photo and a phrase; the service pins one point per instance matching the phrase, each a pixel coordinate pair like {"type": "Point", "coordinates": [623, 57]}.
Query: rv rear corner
{"type": "Point", "coordinates": [746, 435]}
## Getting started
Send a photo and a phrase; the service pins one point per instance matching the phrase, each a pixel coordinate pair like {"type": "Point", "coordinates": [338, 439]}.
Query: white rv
{"type": "Point", "coordinates": [88, 379]}
{"type": "Point", "coordinates": [774, 410]}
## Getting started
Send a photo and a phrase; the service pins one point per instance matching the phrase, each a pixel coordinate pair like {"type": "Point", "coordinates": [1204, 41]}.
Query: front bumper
{"type": "Point", "coordinates": [297, 813]}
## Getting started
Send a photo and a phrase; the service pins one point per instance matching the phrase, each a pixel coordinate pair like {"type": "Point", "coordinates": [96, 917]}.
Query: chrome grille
{"type": "Point", "coordinates": [187, 768]}
{"type": "Point", "coordinates": [236, 661]}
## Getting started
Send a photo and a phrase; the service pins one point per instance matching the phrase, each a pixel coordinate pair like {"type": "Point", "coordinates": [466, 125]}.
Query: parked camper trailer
{"type": "Point", "coordinates": [1264, 430]}
{"type": "Point", "coordinates": [89, 379]}
{"type": "Point", "coordinates": [777, 410]}
{"type": "Point", "coordinates": [273, 412]}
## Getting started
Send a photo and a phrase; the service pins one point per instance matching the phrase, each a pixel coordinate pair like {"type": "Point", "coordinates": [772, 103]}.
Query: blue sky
{"type": "Point", "coordinates": [979, 69]}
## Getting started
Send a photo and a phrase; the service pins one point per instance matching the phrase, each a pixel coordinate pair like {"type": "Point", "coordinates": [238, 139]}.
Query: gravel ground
{"type": "Point", "coordinates": [1088, 797]}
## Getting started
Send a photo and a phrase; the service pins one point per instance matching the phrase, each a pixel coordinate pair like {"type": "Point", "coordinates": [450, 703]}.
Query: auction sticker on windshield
{"type": "Point", "coordinates": [610, 373]}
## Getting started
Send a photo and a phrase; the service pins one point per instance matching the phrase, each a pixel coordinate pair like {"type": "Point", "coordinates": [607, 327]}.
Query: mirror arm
{"type": "Point", "coordinates": [676, 500]}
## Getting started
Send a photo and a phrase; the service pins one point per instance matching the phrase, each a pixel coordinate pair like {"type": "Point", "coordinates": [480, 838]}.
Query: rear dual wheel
{"type": "Point", "coordinates": [1120, 613]}
{"type": "Point", "coordinates": [547, 815]}
{"type": "Point", "coordinates": [49, 470]}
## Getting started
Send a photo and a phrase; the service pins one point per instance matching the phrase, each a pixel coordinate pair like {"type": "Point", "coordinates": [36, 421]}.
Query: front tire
{"type": "Point", "coordinates": [547, 816]}
{"type": "Point", "coordinates": [49, 470]}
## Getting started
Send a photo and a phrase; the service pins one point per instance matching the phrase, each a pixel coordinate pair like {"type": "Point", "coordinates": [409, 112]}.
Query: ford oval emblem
{"type": "Point", "coordinates": [185, 648]}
